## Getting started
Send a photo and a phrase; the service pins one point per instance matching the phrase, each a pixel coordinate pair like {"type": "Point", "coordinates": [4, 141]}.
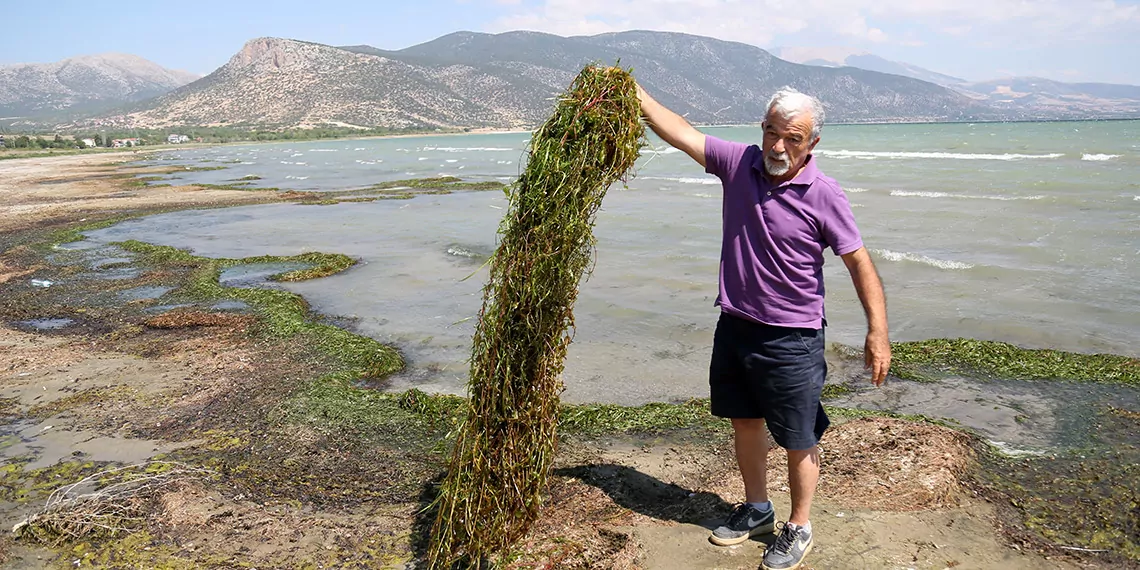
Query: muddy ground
{"type": "Point", "coordinates": [305, 474]}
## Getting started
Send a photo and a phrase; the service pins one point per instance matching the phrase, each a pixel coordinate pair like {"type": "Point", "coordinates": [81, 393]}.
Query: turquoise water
{"type": "Point", "coordinates": [1026, 233]}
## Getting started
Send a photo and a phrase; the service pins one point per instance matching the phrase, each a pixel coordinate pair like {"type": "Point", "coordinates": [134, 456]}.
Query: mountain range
{"type": "Point", "coordinates": [1027, 97]}
{"type": "Point", "coordinates": [84, 84]}
{"type": "Point", "coordinates": [507, 80]}
{"type": "Point", "coordinates": [848, 57]}
{"type": "Point", "coordinates": [476, 80]}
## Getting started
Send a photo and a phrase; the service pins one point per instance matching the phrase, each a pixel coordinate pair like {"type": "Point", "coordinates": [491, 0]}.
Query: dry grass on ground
{"type": "Point", "coordinates": [190, 319]}
{"type": "Point", "coordinates": [889, 465]}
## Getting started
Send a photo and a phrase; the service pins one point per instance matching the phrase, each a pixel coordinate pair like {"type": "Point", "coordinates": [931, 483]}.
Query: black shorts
{"type": "Point", "coordinates": [769, 372]}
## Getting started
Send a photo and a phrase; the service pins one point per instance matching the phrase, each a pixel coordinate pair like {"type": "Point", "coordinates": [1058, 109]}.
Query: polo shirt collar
{"type": "Point", "coordinates": [806, 176]}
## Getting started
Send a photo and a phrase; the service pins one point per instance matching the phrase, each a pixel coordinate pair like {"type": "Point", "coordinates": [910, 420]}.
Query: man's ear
{"type": "Point", "coordinates": [813, 143]}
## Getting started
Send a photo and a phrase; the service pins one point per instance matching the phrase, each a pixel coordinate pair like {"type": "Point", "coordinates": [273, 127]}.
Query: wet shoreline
{"type": "Point", "coordinates": [162, 283]}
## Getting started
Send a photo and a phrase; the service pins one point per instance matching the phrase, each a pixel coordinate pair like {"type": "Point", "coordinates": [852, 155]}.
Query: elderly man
{"type": "Point", "coordinates": [780, 214]}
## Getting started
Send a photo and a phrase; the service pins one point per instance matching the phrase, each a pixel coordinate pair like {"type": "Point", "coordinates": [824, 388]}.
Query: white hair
{"type": "Point", "coordinates": [787, 103]}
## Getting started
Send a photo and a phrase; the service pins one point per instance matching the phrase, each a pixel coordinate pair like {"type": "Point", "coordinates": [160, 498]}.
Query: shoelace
{"type": "Point", "coordinates": [738, 514]}
{"type": "Point", "coordinates": [786, 539]}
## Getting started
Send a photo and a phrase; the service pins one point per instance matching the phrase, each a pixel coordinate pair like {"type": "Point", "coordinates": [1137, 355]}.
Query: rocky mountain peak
{"type": "Point", "coordinates": [276, 51]}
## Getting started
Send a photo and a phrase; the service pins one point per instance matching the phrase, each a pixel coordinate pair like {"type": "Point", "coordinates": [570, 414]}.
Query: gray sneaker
{"type": "Point", "coordinates": [744, 522]}
{"type": "Point", "coordinates": [789, 550]}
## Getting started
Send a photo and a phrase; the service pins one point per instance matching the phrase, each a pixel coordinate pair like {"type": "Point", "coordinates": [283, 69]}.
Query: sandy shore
{"type": "Point", "coordinates": [41, 191]}
{"type": "Point", "coordinates": [304, 477]}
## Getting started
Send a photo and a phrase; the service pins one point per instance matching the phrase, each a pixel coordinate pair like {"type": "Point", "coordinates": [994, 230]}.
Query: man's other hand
{"type": "Point", "coordinates": [877, 356]}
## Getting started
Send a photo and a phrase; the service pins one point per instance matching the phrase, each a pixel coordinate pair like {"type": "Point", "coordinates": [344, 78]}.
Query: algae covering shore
{"type": "Point", "coordinates": [274, 408]}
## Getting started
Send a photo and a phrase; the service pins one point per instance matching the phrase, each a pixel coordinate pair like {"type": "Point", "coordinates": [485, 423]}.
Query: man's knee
{"type": "Point", "coordinates": [751, 426]}
{"type": "Point", "coordinates": [796, 456]}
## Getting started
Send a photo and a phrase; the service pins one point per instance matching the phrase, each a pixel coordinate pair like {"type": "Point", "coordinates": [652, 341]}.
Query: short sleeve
{"type": "Point", "coordinates": [838, 223]}
{"type": "Point", "coordinates": [722, 157]}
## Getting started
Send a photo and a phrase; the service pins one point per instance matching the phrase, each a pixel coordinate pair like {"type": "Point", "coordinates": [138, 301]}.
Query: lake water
{"type": "Point", "coordinates": [1027, 233]}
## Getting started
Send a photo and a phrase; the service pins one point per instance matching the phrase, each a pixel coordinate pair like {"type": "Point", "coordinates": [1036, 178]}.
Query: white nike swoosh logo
{"type": "Point", "coordinates": [754, 522]}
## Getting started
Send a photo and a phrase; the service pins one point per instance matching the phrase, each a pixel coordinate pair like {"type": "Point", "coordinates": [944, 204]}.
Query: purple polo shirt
{"type": "Point", "coordinates": [771, 257]}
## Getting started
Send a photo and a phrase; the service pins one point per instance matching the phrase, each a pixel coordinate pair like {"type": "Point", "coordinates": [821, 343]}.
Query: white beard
{"type": "Point", "coordinates": [777, 166]}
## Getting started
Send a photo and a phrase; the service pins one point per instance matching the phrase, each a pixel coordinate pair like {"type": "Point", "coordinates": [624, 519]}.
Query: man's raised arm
{"type": "Point", "coordinates": [671, 127]}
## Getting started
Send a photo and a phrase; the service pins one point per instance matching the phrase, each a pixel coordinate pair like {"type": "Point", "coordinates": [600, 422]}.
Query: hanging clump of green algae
{"type": "Point", "coordinates": [504, 448]}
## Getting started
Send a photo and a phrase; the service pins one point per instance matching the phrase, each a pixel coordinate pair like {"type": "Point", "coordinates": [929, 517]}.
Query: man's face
{"type": "Point", "coordinates": [787, 143]}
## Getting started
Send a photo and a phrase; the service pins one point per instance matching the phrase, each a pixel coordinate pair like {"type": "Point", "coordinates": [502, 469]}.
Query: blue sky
{"type": "Point", "coordinates": [1070, 40]}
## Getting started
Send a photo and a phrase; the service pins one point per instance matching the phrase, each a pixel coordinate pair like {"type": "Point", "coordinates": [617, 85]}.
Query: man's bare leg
{"type": "Point", "coordinates": [751, 439]}
{"type": "Point", "coordinates": [803, 474]}
{"type": "Point", "coordinates": [746, 520]}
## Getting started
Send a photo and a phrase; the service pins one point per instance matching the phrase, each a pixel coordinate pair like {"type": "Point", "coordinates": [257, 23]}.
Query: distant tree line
{"type": "Point", "coordinates": [24, 141]}
{"type": "Point", "coordinates": [105, 137]}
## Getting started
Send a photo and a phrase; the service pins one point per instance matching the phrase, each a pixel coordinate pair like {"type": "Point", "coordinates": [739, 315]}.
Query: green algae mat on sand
{"type": "Point", "coordinates": [502, 456]}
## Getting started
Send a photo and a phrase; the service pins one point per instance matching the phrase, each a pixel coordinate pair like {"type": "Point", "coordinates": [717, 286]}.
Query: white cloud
{"type": "Point", "coordinates": [762, 22]}
{"type": "Point", "coordinates": [857, 28]}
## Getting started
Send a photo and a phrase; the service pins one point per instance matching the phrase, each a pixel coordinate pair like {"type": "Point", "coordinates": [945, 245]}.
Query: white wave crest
{"type": "Point", "coordinates": [461, 252]}
{"type": "Point", "coordinates": [1010, 450]}
{"type": "Point", "coordinates": [932, 155]}
{"type": "Point", "coordinates": [666, 150]}
{"type": "Point", "coordinates": [683, 180]}
{"type": "Point", "coordinates": [924, 194]}
{"type": "Point", "coordinates": [904, 256]}
{"type": "Point", "coordinates": [291, 177]}
{"type": "Point", "coordinates": [855, 190]}
{"type": "Point", "coordinates": [701, 195]}
{"type": "Point", "coordinates": [322, 150]}
{"type": "Point", "coordinates": [297, 154]}
{"type": "Point", "coordinates": [450, 160]}
{"type": "Point", "coordinates": [1099, 157]}
{"type": "Point", "coordinates": [467, 149]}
